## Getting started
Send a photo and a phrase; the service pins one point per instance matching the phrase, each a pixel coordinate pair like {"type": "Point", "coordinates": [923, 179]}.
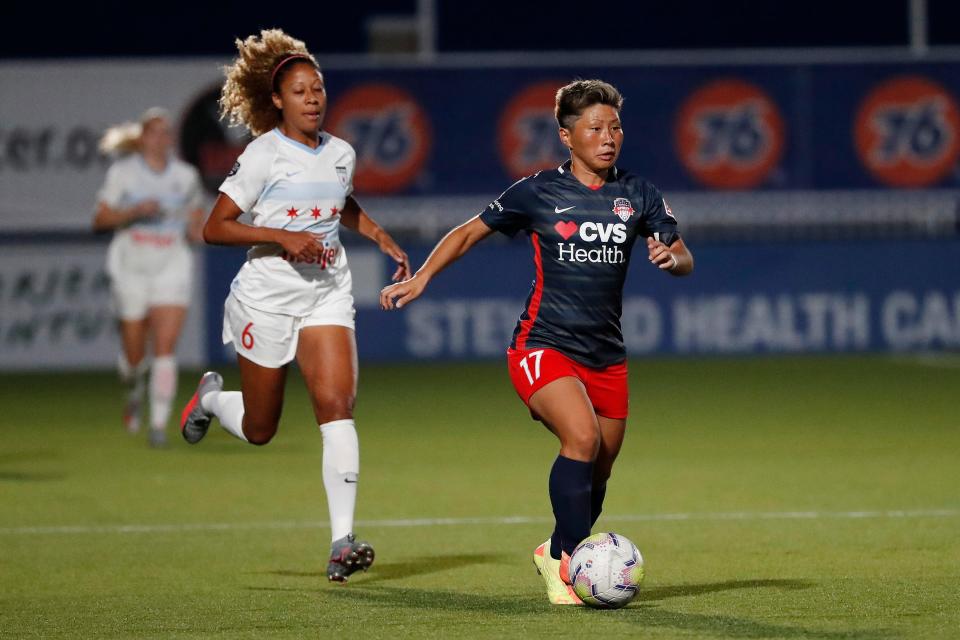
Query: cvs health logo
{"type": "Point", "coordinates": [591, 232]}
{"type": "Point", "coordinates": [389, 131]}
{"type": "Point", "coordinates": [729, 134]}
{"type": "Point", "coordinates": [906, 132]}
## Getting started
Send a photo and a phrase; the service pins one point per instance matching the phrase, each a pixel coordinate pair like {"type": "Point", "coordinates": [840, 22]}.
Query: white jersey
{"type": "Point", "coordinates": [148, 245]}
{"type": "Point", "coordinates": [284, 184]}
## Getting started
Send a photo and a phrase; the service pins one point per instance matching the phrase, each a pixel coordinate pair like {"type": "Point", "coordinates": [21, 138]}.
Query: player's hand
{"type": "Point", "coordinates": [660, 255]}
{"type": "Point", "coordinates": [145, 209]}
{"type": "Point", "coordinates": [302, 245]}
{"type": "Point", "coordinates": [395, 296]}
{"type": "Point", "coordinates": [392, 249]}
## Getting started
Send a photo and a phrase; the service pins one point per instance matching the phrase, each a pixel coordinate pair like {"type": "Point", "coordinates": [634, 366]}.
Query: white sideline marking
{"type": "Point", "coordinates": [434, 522]}
{"type": "Point", "coordinates": [934, 360]}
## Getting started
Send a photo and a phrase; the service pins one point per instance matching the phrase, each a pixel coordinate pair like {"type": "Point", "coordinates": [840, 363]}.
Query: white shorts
{"type": "Point", "coordinates": [270, 339]}
{"type": "Point", "coordinates": [134, 293]}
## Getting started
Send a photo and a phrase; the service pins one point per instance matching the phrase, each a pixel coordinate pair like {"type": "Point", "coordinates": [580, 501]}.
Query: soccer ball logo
{"type": "Point", "coordinates": [606, 570]}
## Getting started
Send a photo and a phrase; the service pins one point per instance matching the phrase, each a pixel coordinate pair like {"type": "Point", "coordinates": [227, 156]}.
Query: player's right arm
{"type": "Point", "coordinates": [506, 214]}
{"type": "Point", "coordinates": [450, 248]}
{"type": "Point", "coordinates": [108, 218]}
{"type": "Point", "coordinates": [240, 192]}
{"type": "Point", "coordinates": [110, 214]}
{"type": "Point", "coordinates": [223, 228]}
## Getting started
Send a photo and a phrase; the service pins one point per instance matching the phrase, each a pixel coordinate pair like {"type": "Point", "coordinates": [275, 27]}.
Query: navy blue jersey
{"type": "Point", "coordinates": [582, 239]}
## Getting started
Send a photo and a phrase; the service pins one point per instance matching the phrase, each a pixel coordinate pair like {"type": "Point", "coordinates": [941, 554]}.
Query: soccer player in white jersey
{"type": "Point", "coordinates": [153, 203]}
{"type": "Point", "coordinates": [292, 298]}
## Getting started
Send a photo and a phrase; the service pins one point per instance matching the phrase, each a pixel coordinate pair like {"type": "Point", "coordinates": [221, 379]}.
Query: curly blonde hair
{"type": "Point", "coordinates": [253, 77]}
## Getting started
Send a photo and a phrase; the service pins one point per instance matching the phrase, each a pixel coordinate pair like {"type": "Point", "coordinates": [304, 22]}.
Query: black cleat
{"type": "Point", "coordinates": [347, 555]}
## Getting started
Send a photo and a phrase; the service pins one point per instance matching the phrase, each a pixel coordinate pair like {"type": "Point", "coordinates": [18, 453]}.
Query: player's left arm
{"type": "Point", "coordinates": [665, 247]}
{"type": "Point", "coordinates": [354, 217]}
{"type": "Point", "coordinates": [195, 222]}
{"type": "Point", "coordinates": [197, 215]}
{"type": "Point", "coordinates": [675, 259]}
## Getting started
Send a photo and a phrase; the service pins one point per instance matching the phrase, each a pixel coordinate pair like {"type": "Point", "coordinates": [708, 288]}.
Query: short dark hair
{"type": "Point", "coordinates": [573, 99]}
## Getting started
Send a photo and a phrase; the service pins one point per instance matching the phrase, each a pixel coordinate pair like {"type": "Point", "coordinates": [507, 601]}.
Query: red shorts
{"type": "Point", "coordinates": [532, 369]}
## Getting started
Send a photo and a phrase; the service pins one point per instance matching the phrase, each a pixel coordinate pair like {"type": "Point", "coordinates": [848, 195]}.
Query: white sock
{"type": "Point", "coordinates": [228, 407]}
{"type": "Point", "coordinates": [134, 379]}
{"type": "Point", "coordinates": [132, 376]}
{"type": "Point", "coordinates": [341, 470]}
{"type": "Point", "coordinates": [163, 386]}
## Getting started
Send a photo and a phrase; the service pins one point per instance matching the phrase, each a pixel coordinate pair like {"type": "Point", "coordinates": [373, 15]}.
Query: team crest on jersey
{"type": "Point", "coordinates": [623, 208]}
{"type": "Point", "coordinates": [236, 167]}
{"type": "Point", "coordinates": [342, 176]}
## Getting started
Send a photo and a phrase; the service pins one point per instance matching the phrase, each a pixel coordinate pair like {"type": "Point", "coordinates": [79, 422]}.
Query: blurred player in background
{"type": "Point", "coordinates": [292, 298]}
{"type": "Point", "coordinates": [153, 203]}
{"type": "Point", "coordinates": [567, 359]}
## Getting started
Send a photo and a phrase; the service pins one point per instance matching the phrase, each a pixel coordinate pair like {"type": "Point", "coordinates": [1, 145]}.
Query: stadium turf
{"type": "Point", "coordinates": [771, 498]}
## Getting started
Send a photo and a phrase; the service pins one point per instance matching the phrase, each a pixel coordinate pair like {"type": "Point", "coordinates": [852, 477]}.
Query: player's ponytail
{"type": "Point", "coordinates": [124, 138]}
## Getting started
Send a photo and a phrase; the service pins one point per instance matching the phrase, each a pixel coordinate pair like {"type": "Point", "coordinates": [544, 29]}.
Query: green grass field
{"type": "Point", "coordinates": [772, 498]}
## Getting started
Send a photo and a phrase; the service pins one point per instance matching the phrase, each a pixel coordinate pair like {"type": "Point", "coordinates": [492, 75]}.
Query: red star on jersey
{"type": "Point", "coordinates": [334, 211]}
{"type": "Point", "coordinates": [316, 212]}
{"type": "Point", "coordinates": [292, 212]}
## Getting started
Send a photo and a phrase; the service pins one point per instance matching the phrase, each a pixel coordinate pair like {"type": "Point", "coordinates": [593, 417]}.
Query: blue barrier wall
{"type": "Point", "coordinates": [778, 127]}
{"type": "Point", "coordinates": [741, 299]}
{"type": "Point", "coordinates": [475, 130]}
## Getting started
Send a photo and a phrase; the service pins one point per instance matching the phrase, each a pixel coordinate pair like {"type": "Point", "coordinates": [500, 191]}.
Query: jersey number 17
{"type": "Point", "coordinates": [525, 365]}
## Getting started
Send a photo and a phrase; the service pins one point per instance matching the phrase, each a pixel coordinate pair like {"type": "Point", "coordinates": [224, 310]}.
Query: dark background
{"type": "Point", "coordinates": [35, 29]}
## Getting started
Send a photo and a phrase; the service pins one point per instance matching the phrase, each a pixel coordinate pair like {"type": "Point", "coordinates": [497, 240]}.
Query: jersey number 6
{"type": "Point", "coordinates": [246, 338]}
{"type": "Point", "coordinates": [525, 365]}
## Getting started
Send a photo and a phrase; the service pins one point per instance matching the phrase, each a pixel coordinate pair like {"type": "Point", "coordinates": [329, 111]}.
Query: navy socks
{"type": "Point", "coordinates": [596, 502]}
{"type": "Point", "coordinates": [596, 507]}
{"type": "Point", "coordinates": [571, 496]}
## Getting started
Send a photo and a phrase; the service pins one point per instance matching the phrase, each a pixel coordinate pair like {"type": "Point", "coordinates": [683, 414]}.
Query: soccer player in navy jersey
{"type": "Point", "coordinates": [567, 359]}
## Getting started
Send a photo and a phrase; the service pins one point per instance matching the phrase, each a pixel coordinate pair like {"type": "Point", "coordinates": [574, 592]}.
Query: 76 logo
{"type": "Point", "coordinates": [541, 145]}
{"type": "Point", "coordinates": [383, 138]}
{"type": "Point", "coordinates": [917, 131]}
{"type": "Point", "coordinates": [738, 134]}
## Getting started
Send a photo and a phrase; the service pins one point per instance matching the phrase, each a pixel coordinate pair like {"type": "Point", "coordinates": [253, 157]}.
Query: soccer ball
{"type": "Point", "coordinates": [606, 570]}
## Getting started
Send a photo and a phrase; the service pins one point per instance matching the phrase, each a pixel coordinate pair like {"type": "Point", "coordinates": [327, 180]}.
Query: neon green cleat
{"type": "Point", "coordinates": [558, 591]}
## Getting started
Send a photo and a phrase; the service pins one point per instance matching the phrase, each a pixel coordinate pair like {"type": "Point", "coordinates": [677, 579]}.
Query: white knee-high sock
{"type": "Point", "coordinates": [134, 379]}
{"type": "Point", "coordinates": [341, 470]}
{"type": "Point", "coordinates": [130, 375]}
{"type": "Point", "coordinates": [163, 386]}
{"type": "Point", "coordinates": [227, 406]}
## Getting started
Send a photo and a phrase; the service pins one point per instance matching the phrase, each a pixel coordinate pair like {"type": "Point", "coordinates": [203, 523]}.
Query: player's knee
{"type": "Point", "coordinates": [585, 444]}
{"type": "Point", "coordinates": [329, 407]}
{"type": "Point", "coordinates": [259, 438]}
{"type": "Point", "coordinates": [259, 433]}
